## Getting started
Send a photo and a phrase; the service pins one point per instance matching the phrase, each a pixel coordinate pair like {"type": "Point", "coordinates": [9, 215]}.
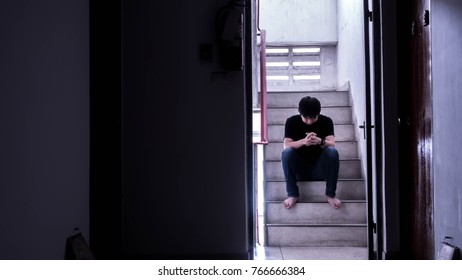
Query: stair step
{"type": "Point", "coordinates": [339, 115]}
{"type": "Point", "coordinates": [343, 132]}
{"type": "Point", "coordinates": [345, 149]}
{"type": "Point", "coordinates": [284, 71]}
{"type": "Point", "coordinates": [349, 169]}
{"type": "Point", "coordinates": [315, 190]}
{"type": "Point", "coordinates": [317, 236]}
{"type": "Point", "coordinates": [275, 86]}
{"type": "Point", "coordinates": [324, 253]}
{"type": "Point", "coordinates": [278, 57]}
{"type": "Point", "coordinates": [311, 253]}
{"type": "Point", "coordinates": [316, 213]}
{"type": "Point", "coordinates": [290, 99]}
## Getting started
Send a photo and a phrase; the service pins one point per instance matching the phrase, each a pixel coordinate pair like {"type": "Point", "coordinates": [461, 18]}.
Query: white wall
{"type": "Point", "coordinates": [446, 24]}
{"type": "Point", "coordinates": [351, 60]}
{"type": "Point", "coordinates": [44, 120]}
{"type": "Point", "coordinates": [293, 20]}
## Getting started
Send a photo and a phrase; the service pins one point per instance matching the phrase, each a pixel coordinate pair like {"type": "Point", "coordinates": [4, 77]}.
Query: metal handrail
{"type": "Point", "coordinates": [263, 92]}
{"type": "Point", "coordinates": [263, 103]}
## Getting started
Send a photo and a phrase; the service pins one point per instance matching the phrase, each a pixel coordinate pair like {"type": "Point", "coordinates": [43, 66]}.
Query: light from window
{"type": "Point", "coordinates": [307, 77]}
{"type": "Point", "coordinates": [276, 51]}
{"type": "Point", "coordinates": [306, 50]}
{"type": "Point", "coordinates": [277, 64]}
{"type": "Point", "coordinates": [278, 78]}
{"type": "Point", "coordinates": [307, 63]}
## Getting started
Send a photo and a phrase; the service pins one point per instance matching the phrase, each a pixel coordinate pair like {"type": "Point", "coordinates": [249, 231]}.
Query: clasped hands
{"type": "Point", "coordinates": [311, 139]}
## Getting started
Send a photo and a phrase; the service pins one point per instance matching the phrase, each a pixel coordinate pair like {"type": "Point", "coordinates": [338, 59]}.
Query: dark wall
{"type": "Point", "coordinates": [390, 144]}
{"type": "Point", "coordinates": [184, 136]}
{"type": "Point", "coordinates": [183, 139]}
{"type": "Point", "coordinates": [44, 120]}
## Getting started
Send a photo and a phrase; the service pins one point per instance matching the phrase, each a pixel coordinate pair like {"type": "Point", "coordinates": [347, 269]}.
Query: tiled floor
{"type": "Point", "coordinates": [311, 253]}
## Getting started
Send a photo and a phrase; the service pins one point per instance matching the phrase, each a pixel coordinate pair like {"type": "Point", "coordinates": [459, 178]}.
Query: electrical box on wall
{"type": "Point", "coordinates": [448, 252]}
{"type": "Point", "coordinates": [229, 30]}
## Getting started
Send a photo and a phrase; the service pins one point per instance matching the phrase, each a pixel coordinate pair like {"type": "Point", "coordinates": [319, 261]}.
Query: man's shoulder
{"type": "Point", "coordinates": [294, 118]}
{"type": "Point", "coordinates": [324, 118]}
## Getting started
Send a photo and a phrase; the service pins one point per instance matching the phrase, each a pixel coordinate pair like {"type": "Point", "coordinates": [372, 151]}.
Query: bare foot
{"type": "Point", "coordinates": [334, 202]}
{"type": "Point", "coordinates": [289, 202]}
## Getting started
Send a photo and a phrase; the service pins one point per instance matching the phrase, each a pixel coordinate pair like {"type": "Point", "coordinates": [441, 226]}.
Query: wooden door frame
{"type": "Point", "coordinates": [372, 13]}
{"type": "Point", "coordinates": [421, 134]}
{"type": "Point", "coordinates": [415, 106]}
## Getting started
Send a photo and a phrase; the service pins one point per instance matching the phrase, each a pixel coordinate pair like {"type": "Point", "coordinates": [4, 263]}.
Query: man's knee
{"type": "Point", "coordinates": [288, 154]}
{"type": "Point", "coordinates": [331, 153]}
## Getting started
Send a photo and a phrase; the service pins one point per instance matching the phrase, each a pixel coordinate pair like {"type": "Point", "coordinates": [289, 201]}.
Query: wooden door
{"type": "Point", "coordinates": [421, 132]}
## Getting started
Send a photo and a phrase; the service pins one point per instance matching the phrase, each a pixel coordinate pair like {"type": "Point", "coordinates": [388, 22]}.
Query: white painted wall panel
{"type": "Point", "coordinates": [299, 20]}
{"type": "Point", "coordinates": [446, 24]}
{"type": "Point", "coordinates": [351, 57]}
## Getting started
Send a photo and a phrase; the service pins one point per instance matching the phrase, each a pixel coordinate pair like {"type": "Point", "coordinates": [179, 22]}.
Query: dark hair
{"type": "Point", "coordinates": [309, 107]}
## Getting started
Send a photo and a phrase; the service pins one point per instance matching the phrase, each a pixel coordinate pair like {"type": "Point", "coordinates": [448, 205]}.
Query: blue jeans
{"type": "Point", "coordinates": [296, 169]}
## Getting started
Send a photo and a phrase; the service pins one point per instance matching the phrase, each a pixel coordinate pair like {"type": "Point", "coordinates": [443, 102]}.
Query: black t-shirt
{"type": "Point", "coordinates": [296, 129]}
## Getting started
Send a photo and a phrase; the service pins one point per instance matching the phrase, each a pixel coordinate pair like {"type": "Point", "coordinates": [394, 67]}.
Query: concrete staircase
{"type": "Point", "coordinates": [313, 222]}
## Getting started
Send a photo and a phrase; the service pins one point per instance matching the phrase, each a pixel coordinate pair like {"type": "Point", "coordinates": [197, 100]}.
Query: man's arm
{"type": "Point", "coordinates": [290, 143]}
{"type": "Point", "coordinates": [310, 139]}
{"type": "Point", "coordinates": [330, 141]}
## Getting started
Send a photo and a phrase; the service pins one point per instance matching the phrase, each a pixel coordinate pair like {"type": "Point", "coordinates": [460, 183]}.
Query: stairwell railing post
{"type": "Point", "coordinates": [263, 99]}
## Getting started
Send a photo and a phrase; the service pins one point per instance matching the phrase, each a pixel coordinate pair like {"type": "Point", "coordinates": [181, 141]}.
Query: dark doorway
{"type": "Point", "coordinates": [105, 130]}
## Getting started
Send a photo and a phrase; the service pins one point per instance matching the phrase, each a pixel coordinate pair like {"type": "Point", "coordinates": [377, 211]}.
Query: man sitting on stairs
{"type": "Point", "coordinates": [309, 151]}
